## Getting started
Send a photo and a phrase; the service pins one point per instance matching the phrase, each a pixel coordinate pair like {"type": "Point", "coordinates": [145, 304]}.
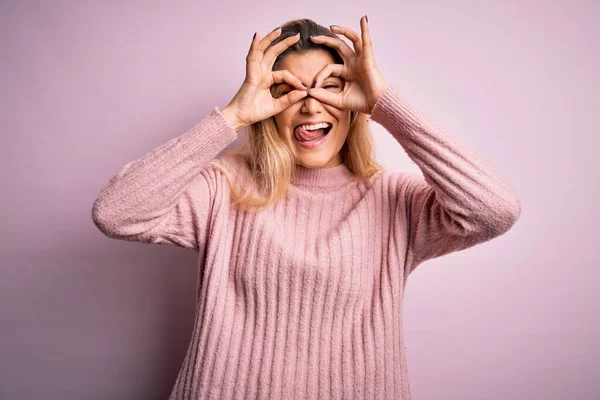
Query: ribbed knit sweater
{"type": "Point", "coordinates": [303, 300]}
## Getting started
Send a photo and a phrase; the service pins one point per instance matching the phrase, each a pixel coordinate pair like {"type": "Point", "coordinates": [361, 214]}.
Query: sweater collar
{"type": "Point", "coordinates": [331, 177]}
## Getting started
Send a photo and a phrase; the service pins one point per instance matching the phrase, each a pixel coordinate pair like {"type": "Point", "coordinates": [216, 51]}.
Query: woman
{"type": "Point", "coordinates": [305, 244]}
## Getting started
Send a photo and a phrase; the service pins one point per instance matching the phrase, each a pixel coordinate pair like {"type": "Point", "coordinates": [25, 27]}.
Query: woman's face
{"type": "Point", "coordinates": [322, 152]}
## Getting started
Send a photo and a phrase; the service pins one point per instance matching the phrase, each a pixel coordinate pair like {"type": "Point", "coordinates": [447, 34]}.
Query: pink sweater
{"type": "Point", "coordinates": [304, 300]}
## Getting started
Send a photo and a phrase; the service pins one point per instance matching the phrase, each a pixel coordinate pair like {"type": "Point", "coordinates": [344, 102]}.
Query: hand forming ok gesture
{"type": "Point", "coordinates": [364, 83]}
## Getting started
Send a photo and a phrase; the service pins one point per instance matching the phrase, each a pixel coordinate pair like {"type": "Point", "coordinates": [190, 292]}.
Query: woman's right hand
{"type": "Point", "coordinates": [253, 102]}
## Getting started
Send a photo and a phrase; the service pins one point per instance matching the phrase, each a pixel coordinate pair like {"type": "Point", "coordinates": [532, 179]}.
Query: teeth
{"type": "Point", "coordinates": [316, 126]}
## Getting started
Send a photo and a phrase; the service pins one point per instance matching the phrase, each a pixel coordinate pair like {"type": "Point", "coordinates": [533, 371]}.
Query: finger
{"type": "Point", "coordinates": [285, 101]}
{"type": "Point", "coordinates": [253, 58]}
{"type": "Point", "coordinates": [324, 95]}
{"type": "Point", "coordinates": [366, 39]}
{"type": "Point", "coordinates": [329, 70]}
{"type": "Point", "coordinates": [286, 76]}
{"type": "Point", "coordinates": [272, 53]}
{"type": "Point", "coordinates": [350, 34]}
{"type": "Point", "coordinates": [252, 52]}
{"type": "Point", "coordinates": [342, 47]}
{"type": "Point", "coordinates": [266, 42]}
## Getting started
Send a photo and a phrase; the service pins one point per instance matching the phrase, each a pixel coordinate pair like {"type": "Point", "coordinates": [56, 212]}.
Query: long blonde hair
{"type": "Point", "coordinates": [270, 161]}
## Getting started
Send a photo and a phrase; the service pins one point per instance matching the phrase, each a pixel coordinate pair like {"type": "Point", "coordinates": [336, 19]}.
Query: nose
{"type": "Point", "coordinates": [311, 105]}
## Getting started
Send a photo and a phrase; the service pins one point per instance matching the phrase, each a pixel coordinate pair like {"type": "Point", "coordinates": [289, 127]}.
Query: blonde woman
{"type": "Point", "coordinates": [305, 243]}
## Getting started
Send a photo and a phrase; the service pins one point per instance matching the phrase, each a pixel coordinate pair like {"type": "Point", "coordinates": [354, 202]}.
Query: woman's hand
{"type": "Point", "coordinates": [253, 102]}
{"type": "Point", "coordinates": [364, 83]}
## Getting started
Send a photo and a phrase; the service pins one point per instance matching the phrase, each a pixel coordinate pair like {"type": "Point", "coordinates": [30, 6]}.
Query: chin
{"type": "Point", "coordinates": [321, 156]}
{"type": "Point", "coordinates": [314, 161]}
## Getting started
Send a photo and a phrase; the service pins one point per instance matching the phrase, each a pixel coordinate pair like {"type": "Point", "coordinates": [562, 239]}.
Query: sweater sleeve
{"type": "Point", "coordinates": [165, 196]}
{"type": "Point", "coordinates": [460, 201]}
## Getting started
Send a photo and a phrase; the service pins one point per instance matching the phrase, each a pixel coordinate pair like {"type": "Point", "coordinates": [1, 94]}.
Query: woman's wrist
{"type": "Point", "coordinates": [231, 117]}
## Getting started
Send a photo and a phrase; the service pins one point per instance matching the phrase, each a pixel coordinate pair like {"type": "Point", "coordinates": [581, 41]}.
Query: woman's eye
{"type": "Point", "coordinates": [333, 88]}
{"type": "Point", "coordinates": [286, 91]}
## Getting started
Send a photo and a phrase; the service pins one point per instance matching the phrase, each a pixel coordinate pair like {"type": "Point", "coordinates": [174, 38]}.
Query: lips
{"type": "Point", "coordinates": [312, 123]}
{"type": "Point", "coordinates": [303, 135]}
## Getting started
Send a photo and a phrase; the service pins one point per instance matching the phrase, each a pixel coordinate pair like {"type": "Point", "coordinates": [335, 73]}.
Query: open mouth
{"type": "Point", "coordinates": [311, 135]}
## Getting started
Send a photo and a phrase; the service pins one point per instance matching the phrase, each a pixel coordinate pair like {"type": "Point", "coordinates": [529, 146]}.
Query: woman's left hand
{"type": "Point", "coordinates": [364, 84]}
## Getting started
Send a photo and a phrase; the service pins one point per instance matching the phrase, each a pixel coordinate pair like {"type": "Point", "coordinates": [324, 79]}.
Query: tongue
{"type": "Point", "coordinates": [304, 136]}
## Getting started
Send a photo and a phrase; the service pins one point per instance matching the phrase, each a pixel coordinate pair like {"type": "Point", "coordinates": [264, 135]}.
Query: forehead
{"type": "Point", "coordinates": [306, 66]}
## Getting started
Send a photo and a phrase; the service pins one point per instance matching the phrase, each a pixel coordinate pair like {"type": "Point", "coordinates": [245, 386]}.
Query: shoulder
{"type": "Point", "coordinates": [234, 162]}
{"type": "Point", "coordinates": [399, 179]}
{"type": "Point", "coordinates": [233, 166]}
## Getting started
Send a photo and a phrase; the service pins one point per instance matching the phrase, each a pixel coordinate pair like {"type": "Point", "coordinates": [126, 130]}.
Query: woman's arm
{"type": "Point", "coordinates": [462, 200]}
{"type": "Point", "coordinates": [165, 196]}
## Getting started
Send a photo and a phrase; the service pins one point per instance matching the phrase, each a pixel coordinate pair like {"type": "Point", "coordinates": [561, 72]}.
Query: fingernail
{"type": "Point", "coordinates": [313, 84]}
{"type": "Point", "coordinates": [367, 18]}
{"type": "Point", "coordinates": [332, 26]}
{"type": "Point", "coordinates": [275, 29]}
{"type": "Point", "coordinates": [254, 37]}
{"type": "Point", "coordinates": [304, 84]}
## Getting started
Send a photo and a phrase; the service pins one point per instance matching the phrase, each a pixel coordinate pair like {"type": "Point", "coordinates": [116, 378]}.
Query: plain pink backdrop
{"type": "Point", "coordinates": [88, 86]}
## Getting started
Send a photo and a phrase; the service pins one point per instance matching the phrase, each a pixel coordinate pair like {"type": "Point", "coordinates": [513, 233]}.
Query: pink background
{"type": "Point", "coordinates": [88, 86]}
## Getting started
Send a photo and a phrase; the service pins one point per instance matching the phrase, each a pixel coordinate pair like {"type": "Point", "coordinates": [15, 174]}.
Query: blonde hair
{"type": "Point", "coordinates": [270, 160]}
